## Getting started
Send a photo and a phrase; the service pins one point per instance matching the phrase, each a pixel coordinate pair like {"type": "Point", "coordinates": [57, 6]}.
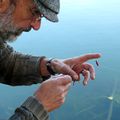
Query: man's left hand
{"type": "Point", "coordinates": [76, 66]}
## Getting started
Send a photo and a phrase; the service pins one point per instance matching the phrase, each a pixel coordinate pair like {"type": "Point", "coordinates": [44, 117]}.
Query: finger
{"type": "Point", "coordinates": [68, 71]}
{"type": "Point", "coordinates": [78, 77]}
{"type": "Point", "coordinates": [87, 57]}
{"type": "Point", "coordinates": [64, 80]}
{"type": "Point", "coordinates": [78, 70]}
{"type": "Point", "coordinates": [65, 69]}
{"type": "Point", "coordinates": [85, 73]}
{"type": "Point", "coordinates": [78, 80]}
{"type": "Point", "coordinates": [90, 68]}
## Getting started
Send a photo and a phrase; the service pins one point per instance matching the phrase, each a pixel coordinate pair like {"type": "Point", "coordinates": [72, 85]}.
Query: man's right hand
{"type": "Point", "coordinates": [53, 91]}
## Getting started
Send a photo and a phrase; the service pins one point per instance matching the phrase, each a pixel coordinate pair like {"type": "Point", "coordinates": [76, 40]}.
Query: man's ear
{"type": "Point", "coordinates": [4, 5]}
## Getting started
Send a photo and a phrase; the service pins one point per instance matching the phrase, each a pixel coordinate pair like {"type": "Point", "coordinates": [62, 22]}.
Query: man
{"type": "Point", "coordinates": [17, 16]}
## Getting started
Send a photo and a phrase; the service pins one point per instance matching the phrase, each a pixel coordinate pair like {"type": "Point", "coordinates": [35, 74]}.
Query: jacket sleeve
{"type": "Point", "coordinates": [30, 110]}
{"type": "Point", "coordinates": [18, 69]}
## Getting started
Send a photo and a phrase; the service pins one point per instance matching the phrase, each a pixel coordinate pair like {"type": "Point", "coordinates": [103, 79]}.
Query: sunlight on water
{"type": "Point", "coordinates": [110, 98]}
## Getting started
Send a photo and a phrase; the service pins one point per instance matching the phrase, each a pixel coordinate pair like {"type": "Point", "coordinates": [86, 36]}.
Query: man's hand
{"type": "Point", "coordinates": [76, 66]}
{"type": "Point", "coordinates": [52, 92]}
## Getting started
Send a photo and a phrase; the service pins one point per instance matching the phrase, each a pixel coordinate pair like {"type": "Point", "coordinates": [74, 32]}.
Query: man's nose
{"type": "Point", "coordinates": [36, 23]}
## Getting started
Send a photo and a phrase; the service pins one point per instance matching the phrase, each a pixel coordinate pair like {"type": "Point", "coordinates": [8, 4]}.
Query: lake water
{"type": "Point", "coordinates": [85, 26]}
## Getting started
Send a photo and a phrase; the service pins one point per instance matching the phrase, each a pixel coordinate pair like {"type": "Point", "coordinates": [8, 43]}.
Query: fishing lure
{"type": "Point", "coordinates": [73, 83]}
{"type": "Point", "coordinates": [97, 63]}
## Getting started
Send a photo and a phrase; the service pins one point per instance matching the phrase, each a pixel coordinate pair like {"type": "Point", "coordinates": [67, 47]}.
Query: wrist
{"type": "Point", "coordinates": [43, 68]}
{"type": "Point", "coordinates": [35, 106]}
{"type": "Point", "coordinates": [39, 99]}
{"type": "Point", "coordinates": [46, 67]}
{"type": "Point", "coordinates": [50, 67]}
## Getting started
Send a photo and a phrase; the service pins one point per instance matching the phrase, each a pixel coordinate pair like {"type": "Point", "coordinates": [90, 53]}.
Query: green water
{"type": "Point", "coordinates": [85, 26]}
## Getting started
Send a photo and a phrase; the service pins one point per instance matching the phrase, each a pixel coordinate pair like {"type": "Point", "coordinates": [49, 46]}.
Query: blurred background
{"type": "Point", "coordinates": [85, 26]}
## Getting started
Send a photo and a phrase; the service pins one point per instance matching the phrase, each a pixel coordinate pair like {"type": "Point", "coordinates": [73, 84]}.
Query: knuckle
{"type": "Point", "coordinates": [55, 61]}
{"type": "Point", "coordinates": [90, 65]}
{"type": "Point", "coordinates": [61, 90]}
{"type": "Point", "coordinates": [85, 72]}
{"type": "Point", "coordinates": [68, 77]}
{"type": "Point", "coordinates": [88, 56]}
{"type": "Point", "coordinates": [63, 100]}
{"type": "Point", "coordinates": [69, 85]}
{"type": "Point", "coordinates": [62, 96]}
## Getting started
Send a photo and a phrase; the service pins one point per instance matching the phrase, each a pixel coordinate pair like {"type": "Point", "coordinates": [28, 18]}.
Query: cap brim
{"type": "Point", "coordinates": [47, 13]}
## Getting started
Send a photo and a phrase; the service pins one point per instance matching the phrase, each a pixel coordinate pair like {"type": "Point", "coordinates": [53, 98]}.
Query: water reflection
{"type": "Point", "coordinates": [93, 102]}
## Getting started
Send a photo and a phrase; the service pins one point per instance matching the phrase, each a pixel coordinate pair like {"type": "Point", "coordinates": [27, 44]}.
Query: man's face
{"type": "Point", "coordinates": [19, 18]}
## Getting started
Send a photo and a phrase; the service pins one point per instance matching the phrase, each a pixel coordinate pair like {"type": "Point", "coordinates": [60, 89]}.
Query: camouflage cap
{"type": "Point", "coordinates": [49, 8]}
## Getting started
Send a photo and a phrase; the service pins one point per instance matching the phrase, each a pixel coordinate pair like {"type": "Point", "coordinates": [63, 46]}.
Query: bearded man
{"type": "Point", "coordinates": [17, 16]}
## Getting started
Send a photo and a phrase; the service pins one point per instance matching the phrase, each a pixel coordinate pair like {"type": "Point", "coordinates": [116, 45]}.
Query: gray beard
{"type": "Point", "coordinates": [8, 31]}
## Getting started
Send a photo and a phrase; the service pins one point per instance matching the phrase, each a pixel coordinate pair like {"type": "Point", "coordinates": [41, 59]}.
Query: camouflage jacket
{"type": "Point", "coordinates": [18, 69]}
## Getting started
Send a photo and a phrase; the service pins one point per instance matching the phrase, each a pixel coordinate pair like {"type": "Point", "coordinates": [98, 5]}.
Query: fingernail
{"type": "Point", "coordinates": [85, 83]}
{"type": "Point", "coordinates": [75, 77]}
{"type": "Point", "coordinates": [69, 84]}
{"type": "Point", "coordinates": [93, 77]}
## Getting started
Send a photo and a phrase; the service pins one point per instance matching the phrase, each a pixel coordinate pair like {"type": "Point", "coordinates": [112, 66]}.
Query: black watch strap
{"type": "Point", "coordinates": [49, 67]}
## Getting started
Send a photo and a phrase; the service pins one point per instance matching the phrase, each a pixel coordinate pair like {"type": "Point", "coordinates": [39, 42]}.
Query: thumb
{"type": "Point", "coordinates": [64, 80]}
